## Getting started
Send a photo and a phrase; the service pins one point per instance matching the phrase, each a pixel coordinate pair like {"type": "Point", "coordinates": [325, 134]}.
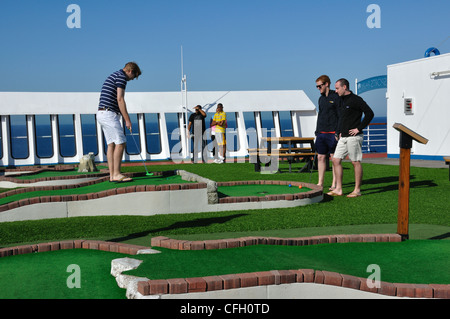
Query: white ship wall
{"type": "Point", "coordinates": [303, 113]}
{"type": "Point", "coordinates": [431, 105]}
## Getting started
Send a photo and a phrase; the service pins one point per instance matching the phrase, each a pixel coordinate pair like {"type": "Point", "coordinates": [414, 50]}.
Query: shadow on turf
{"type": "Point", "coordinates": [392, 184]}
{"type": "Point", "coordinates": [201, 222]}
{"type": "Point", "coordinates": [440, 237]}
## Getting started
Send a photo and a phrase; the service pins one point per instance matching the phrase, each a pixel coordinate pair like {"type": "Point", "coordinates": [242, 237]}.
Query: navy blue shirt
{"type": "Point", "coordinates": [329, 113]}
{"type": "Point", "coordinates": [353, 108]}
{"type": "Point", "coordinates": [108, 96]}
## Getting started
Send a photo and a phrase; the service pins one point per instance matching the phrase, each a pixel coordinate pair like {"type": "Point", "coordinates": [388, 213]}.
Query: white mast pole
{"type": "Point", "coordinates": [184, 136]}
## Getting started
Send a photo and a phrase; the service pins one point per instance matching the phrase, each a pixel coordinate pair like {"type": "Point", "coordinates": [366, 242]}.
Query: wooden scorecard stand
{"type": "Point", "coordinates": [406, 138]}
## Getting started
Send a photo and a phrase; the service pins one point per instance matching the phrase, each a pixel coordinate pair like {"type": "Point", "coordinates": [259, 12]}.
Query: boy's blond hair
{"type": "Point", "coordinates": [132, 66]}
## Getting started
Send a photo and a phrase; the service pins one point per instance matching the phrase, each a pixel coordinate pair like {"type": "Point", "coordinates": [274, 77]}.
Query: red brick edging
{"type": "Point", "coordinates": [314, 192]}
{"type": "Point", "coordinates": [276, 277]}
{"type": "Point", "coordinates": [166, 242]}
{"type": "Point", "coordinates": [233, 281]}
{"type": "Point", "coordinates": [31, 170]}
{"type": "Point", "coordinates": [71, 244]}
{"type": "Point", "coordinates": [102, 177]}
{"type": "Point", "coordinates": [80, 197]}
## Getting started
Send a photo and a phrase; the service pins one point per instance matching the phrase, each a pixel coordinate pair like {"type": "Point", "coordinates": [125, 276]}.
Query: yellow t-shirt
{"type": "Point", "coordinates": [218, 117]}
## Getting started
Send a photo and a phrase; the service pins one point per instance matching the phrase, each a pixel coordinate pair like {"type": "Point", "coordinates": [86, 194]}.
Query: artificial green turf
{"type": "Point", "coordinates": [45, 275]}
{"type": "Point", "coordinates": [57, 173]}
{"type": "Point", "coordinates": [416, 232]}
{"type": "Point", "coordinates": [415, 261]}
{"type": "Point", "coordinates": [144, 180]}
{"type": "Point", "coordinates": [378, 205]}
{"type": "Point", "coordinates": [258, 190]}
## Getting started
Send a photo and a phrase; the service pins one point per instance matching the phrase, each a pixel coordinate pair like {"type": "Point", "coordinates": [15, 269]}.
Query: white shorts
{"type": "Point", "coordinates": [112, 127]}
{"type": "Point", "coordinates": [351, 146]}
{"type": "Point", "coordinates": [220, 139]}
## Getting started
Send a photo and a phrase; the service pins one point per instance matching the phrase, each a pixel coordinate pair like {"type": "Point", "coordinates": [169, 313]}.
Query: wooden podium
{"type": "Point", "coordinates": [406, 138]}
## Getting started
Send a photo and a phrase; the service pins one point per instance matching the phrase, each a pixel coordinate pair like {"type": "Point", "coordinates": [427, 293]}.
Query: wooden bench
{"type": "Point", "coordinates": [283, 150]}
{"type": "Point", "coordinates": [447, 161]}
{"type": "Point", "coordinates": [292, 152]}
{"type": "Point", "coordinates": [263, 155]}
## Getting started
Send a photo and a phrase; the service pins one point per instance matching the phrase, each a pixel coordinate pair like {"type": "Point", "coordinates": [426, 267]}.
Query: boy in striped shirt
{"type": "Point", "coordinates": [111, 107]}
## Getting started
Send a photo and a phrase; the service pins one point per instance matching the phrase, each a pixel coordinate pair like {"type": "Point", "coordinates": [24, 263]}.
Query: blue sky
{"type": "Point", "coordinates": [228, 45]}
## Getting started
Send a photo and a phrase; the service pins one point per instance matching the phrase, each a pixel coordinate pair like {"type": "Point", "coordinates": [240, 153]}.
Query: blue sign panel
{"type": "Point", "coordinates": [377, 82]}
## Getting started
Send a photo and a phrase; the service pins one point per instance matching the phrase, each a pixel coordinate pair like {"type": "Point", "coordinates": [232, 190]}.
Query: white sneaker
{"type": "Point", "coordinates": [220, 161]}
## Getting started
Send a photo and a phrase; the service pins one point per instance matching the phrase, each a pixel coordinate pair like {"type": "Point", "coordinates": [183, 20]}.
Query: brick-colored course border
{"type": "Point", "coordinates": [277, 277]}
{"type": "Point", "coordinates": [32, 170]}
{"type": "Point", "coordinates": [72, 244]}
{"type": "Point", "coordinates": [223, 282]}
{"type": "Point", "coordinates": [166, 242]}
{"type": "Point", "coordinates": [101, 194]}
{"type": "Point", "coordinates": [235, 281]}
{"type": "Point", "coordinates": [314, 192]}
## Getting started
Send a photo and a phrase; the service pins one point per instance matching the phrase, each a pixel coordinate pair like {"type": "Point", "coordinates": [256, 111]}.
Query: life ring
{"type": "Point", "coordinates": [432, 50]}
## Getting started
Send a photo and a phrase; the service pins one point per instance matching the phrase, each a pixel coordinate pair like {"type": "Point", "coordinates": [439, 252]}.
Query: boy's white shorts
{"type": "Point", "coordinates": [112, 127]}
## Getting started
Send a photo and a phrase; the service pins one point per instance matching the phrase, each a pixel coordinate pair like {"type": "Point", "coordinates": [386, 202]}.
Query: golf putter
{"type": "Point", "coordinates": [143, 162]}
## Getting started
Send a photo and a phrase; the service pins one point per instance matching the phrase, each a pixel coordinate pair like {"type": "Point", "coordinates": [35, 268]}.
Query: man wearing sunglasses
{"type": "Point", "coordinates": [327, 129]}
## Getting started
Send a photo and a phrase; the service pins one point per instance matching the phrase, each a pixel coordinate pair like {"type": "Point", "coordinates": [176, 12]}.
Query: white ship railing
{"type": "Point", "coordinates": [375, 137]}
{"type": "Point", "coordinates": [59, 106]}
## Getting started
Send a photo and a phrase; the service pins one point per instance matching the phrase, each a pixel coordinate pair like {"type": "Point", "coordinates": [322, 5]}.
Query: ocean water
{"type": "Point", "coordinates": [375, 137]}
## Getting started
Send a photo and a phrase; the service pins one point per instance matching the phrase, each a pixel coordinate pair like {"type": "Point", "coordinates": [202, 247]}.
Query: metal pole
{"type": "Point", "coordinates": [183, 135]}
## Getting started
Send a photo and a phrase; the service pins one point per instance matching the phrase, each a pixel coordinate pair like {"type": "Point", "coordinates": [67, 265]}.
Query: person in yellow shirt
{"type": "Point", "coordinates": [220, 121]}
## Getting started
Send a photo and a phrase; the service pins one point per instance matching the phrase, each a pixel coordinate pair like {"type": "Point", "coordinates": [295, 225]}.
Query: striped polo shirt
{"type": "Point", "coordinates": [108, 96]}
{"type": "Point", "coordinates": [219, 117]}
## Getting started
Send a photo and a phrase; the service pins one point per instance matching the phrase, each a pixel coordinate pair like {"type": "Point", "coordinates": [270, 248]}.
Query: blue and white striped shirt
{"type": "Point", "coordinates": [108, 96]}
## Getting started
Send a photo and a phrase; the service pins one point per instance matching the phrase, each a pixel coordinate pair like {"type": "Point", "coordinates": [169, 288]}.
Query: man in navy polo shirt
{"type": "Point", "coordinates": [327, 128]}
{"type": "Point", "coordinates": [111, 107]}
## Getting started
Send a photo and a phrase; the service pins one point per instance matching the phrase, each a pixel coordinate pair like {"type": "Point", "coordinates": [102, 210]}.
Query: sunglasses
{"type": "Point", "coordinates": [319, 86]}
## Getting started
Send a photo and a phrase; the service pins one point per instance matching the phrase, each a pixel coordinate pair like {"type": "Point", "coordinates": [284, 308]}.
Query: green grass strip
{"type": "Point", "coordinates": [44, 275]}
{"type": "Point", "coordinates": [259, 190]}
{"type": "Point", "coordinates": [378, 206]}
{"type": "Point", "coordinates": [51, 173]}
{"type": "Point", "coordinates": [405, 262]}
{"type": "Point", "coordinates": [156, 180]}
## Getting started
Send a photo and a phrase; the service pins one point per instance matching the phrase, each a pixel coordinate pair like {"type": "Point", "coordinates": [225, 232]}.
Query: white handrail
{"type": "Point", "coordinates": [439, 73]}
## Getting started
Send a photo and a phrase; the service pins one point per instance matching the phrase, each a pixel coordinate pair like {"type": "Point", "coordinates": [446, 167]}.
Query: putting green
{"type": "Point", "coordinates": [144, 180]}
{"type": "Point", "coordinates": [58, 173]}
{"type": "Point", "coordinates": [45, 275]}
{"type": "Point", "coordinates": [403, 262]}
{"type": "Point", "coordinates": [259, 190]}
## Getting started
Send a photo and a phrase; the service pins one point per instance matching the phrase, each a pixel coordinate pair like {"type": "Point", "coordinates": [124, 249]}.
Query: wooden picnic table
{"type": "Point", "coordinates": [290, 152]}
